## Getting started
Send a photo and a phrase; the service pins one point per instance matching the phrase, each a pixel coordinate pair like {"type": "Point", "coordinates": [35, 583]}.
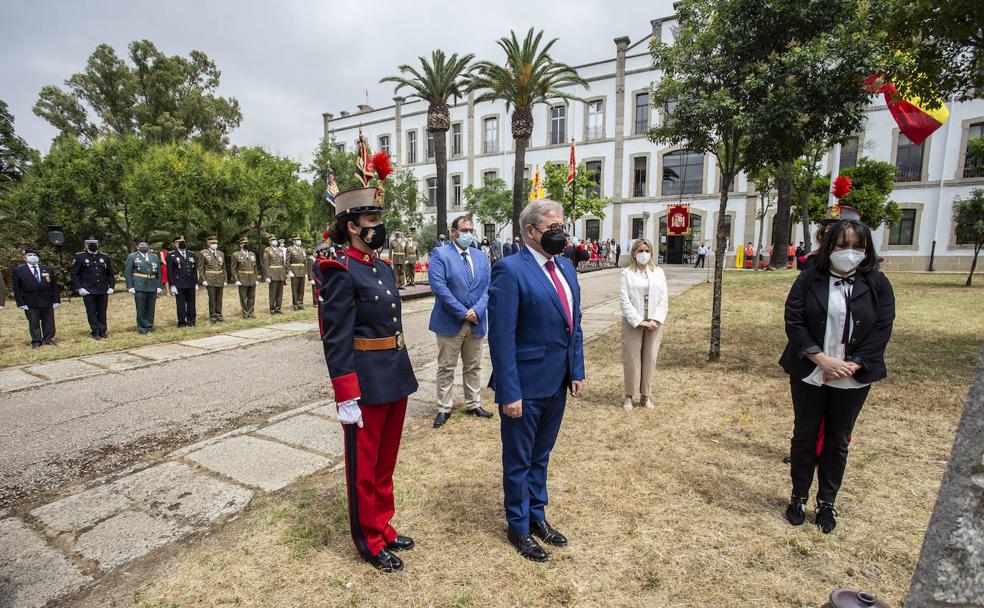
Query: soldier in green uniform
{"type": "Point", "coordinates": [297, 270]}
{"type": "Point", "coordinates": [212, 276]}
{"type": "Point", "coordinates": [274, 269]}
{"type": "Point", "coordinates": [242, 266]}
{"type": "Point", "coordinates": [399, 257]}
{"type": "Point", "coordinates": [410, 273]}
{"type": "Point", "coordinates": [143, 280]}
{"type": "Point", "coordinates": [3, 292]}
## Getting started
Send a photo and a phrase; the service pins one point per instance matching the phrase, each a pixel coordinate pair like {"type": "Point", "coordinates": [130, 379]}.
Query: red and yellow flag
{"type": "Point", "coordinates": [572, 170]}
{"type": "Point", "coordinates": [915, 120]}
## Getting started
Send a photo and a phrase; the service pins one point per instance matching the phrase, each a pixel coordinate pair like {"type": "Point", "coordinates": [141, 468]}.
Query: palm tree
{"type": "Point", "coordinates": [529, 76]}
{"type": "Point", "coordinates": [437, 80]}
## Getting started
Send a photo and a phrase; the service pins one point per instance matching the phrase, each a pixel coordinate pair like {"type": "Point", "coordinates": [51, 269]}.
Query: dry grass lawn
{"type": "Point", "coordinates": [677, 506]}
{"type": "Point", "coordinates": [74, 340]}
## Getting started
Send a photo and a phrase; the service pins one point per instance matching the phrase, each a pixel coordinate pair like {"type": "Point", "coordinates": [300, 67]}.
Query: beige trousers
{"type": "Point", "coordinates": [640, 347]}
{"type": "Point", "coordinates": [469, 348]}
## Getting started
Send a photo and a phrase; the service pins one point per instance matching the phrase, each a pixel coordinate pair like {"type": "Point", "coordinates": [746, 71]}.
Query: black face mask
{"type": "Point", "coordinates": [374, 236]}
{"type": "Point", "coordinates": [553, 240]}
{"type": "Point", "coordinates": [182, 245]}
{"type": "Point", "coordinates": [92, 247]}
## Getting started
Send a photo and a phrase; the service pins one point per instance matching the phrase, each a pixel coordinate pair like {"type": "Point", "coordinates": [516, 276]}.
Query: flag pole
{"type": "Point", "coordinates": [574, 199]}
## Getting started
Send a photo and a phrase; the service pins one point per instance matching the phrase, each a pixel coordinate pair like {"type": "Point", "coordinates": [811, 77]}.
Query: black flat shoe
{"type": "Point", "coordinates": [440, 419]}
{"type": "Point", "coordinates": [527, 547]}
{"type": "Point", "coordinates": [479, 411]}
{"type": "Point", "coordinates": [386, 561]}
{"type": "Point", "coordinates": [401, 543]}
{"type": "Point", "coordinates": [543, 531]}
{"type": "Point", "coordinates": [826, 516]}
{"type": "Point", "coordinates": [796, 510]}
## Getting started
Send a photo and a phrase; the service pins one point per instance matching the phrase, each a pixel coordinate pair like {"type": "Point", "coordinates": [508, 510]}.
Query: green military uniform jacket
{"type": "Point", "coordinates": [398, 250]}
{"type": "Point", "coordinates": [274, 264]}
{"type": "Point", "coordinates": [411, 249]}
{"type": "Point", "coordinates": [3, 291]}
{"type": "Point", "coordinates": [143, 274]}
{"type": "Point", "coordinates": [242, 266]}
{"type": "Point", "coordinates": [297, 261]}
{"type": "Point", "coordinates": [212, 268]}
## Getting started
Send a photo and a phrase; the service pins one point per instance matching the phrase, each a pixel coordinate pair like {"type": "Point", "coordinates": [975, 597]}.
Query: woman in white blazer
{"type": "Point", "coordinates": [643, 298]}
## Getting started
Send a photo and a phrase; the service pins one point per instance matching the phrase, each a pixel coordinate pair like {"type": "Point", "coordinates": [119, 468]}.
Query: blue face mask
{"type": "Point", "coordinates": [465, 240]}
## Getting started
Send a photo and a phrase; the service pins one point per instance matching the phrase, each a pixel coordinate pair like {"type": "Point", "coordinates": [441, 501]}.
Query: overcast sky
{"type": "Point", "coordinates": [289, 61]}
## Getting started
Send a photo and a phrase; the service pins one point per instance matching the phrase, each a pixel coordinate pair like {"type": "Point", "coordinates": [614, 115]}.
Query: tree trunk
{"type": "Point", "coordinates": [441, 159]}
{"type": "Point", "coordinates": [719, 253]}
{"type": "Point", "coordinates": [519, 194]}
{"type": "Point", "coordinates": [761, 245]}
{"type": "Point", "coordinates": [805, 220]}
{"type": "Point", "coordinates": [973, 266]}
{"type": "Point", "coordinates": [780, 224]}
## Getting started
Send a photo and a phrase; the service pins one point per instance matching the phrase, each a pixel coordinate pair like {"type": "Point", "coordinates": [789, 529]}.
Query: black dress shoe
{"type": "Point", "coordinates": [440, 419]}
{"type": "Point", "coordinates": [826, 516]}
{"type": "Point", "coordinates": [386, 561]}
{"type": "Point", "coordinates": [48, 342]}
{"type": "Point", "coordinates": [479, 411]}
{"type": "Point", "coordinates": [796, 510]}
{"type": "Point", "coordinates": [35, 346]}
{"type": "Point", "coordinates": [547, 534]}
{"type": "Point", "coordinates": [527, 547]}
{"type": "Point", "coordinates": [401, 543]}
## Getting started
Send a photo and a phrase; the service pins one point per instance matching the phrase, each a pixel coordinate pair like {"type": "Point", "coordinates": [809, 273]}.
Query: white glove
{"type": "Point", "coordinates": [132, 290]}
{"type": "Point", "coordinates": [268, 279]}
{"type": "Point", "coordinates": [196, 287]}
{"type": "Point", "coordinates": [349, 413]}
{"type": "Point", "coordinates": [56, 305]}
{"type": "Point", "coordinates": [159, 291]}
{"type": "Point", "coordinates": [23, 307]}
{"type": "Point", "coordinates": [83, 292]}
{"type": "Point", "coordinates": [311, 282]}
{"type": "Point", "coordinates": [2, 307]}
{"type": "Point", "coordinates": [110, 291]}
{"type": "Point", "coordinates": [174, 290]}
{"type": "Point", "coordinates": [205, 283]}
{"type": "Point", "coordinates": [239, 283]}
{"type": "Point", "coordinates": [290, 273]}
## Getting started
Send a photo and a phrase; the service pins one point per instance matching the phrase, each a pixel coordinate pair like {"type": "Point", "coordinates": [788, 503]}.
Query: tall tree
{"type": "Point", "coordinates": [491, 203]}
{"type": "Point", "coordinates": [402, 202]}
{"type": "Point", "coordinates": [969, 217]}
{"type": "Point", "coordinates": [529, 76]}
{"type": "Point", "coordinates": [329, 154]}
{"type": "Point", "coordinates": [15, 155]}
{"type": "Point", "coordinates": [439, 79]}
{"type": "Point", "coordinates": [873, 182]}
{"type": "Point", "coordinates": [586, 199]}
{"type": "Point", "coordinates": [165, 99]}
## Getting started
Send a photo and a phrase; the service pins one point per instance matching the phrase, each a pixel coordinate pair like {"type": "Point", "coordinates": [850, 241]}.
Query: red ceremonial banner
{"type": "Point", "coordinates": [678, 220]}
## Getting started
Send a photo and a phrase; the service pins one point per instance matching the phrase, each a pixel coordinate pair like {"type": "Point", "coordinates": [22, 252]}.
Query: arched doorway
{"type": "Point", "coordinates": [679, 249]}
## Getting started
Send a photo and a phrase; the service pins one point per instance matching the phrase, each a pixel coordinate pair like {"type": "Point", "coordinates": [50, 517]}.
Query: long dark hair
{"type": "Point", "coordinates": [834, 235]}
{"type": "Point", "coordinates": [338, 230]}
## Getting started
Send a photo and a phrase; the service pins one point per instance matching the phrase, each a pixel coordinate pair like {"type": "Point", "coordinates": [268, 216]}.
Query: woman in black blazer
{"type": "Point", "coordinates": [839, 316]}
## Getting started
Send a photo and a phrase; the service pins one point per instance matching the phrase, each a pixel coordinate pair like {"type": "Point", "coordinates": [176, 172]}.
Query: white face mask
{"type": "Point", "coordinates": [213, 246]}
{"type": "Point", "coordinates": [846, 260]}
{"type": "Point", "coordinates": [32, 260]}
{"type": "Point", "coordinates": [297, 243]}
{"type": "Point", "coordinates": [274, 243]}
{"type": "Point", "coordinates": [643, 257]}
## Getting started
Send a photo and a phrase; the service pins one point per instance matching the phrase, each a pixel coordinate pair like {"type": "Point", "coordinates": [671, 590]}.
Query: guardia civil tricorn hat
{"type": "Point", "coordinates": [368, 198]}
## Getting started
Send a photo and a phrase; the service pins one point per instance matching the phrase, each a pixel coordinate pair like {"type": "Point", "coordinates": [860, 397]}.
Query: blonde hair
{"type": "Point", "coordinates": [652, 252]}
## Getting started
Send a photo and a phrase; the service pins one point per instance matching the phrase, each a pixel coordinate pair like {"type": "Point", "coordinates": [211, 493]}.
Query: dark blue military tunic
{"type": "Point", "coordinates": [360, 299]}
{"type": "Point", "coordinates": [93, 272]}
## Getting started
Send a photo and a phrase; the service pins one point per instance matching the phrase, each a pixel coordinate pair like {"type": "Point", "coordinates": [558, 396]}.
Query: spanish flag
{"type": "Point", "coordinates": [536, 189]}
{"type": "Point", "coordinates": [915, 120]}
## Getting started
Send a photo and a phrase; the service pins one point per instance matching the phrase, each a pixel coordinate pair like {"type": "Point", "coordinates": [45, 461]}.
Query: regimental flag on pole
{"type": "Point", "coordinates": [363, 166]}
{"type": "Point", "coordinates": [331, 187]}
{"type": "Point", "coordinates": [536, 189]}
{"type": "Point", "coordinates": [572, 170]}
{"type": "Point", "coordinates": [915, 120]}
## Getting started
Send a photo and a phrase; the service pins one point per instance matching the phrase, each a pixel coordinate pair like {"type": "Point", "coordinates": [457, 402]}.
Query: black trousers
{"type": "Point", "coordinates": [95, 312]}
{"type": "Point", "coordinates": [184, 300]}
{"type": "Point", "coordinates": [700, 261]}
{"type": "Point", "coordinates": [146, 304]}
{"type": "Point", "coordinates": [837, 410]}
{"type": "Point", "coordinates": [41, 324]}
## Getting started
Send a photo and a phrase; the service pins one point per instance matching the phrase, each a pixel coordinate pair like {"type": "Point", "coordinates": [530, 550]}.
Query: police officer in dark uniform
{"type": "Point", "coordinates": [369, 367]}
{"type": "Point", "coordinates": [182, 274]}
{"type": "Point", "coordinates": [93, 278]}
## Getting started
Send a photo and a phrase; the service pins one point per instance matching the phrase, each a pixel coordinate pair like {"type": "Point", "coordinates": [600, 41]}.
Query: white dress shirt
{"type": "Point", "coordinates": [468, 257]}
{"type": "Point", "coordinates": [834, 333]}
{"type": "Point", "coordinates": [542, 261]}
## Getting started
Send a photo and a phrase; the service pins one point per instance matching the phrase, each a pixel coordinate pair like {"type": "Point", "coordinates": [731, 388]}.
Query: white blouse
{"type": "Point", "coordinates": [833, 345]}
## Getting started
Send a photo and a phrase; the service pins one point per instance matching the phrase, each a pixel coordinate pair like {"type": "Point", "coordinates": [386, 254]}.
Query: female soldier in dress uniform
{"type": "Point", "coordinates": [368, 363]}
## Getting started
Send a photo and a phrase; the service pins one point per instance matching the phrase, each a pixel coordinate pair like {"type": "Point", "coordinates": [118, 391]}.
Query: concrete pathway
{"type": "Point", "coordinates": [57, 548]}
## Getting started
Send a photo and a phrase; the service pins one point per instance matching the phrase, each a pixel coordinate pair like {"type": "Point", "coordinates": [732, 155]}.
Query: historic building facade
{"type": "Point", "coordinates": [642, 178]}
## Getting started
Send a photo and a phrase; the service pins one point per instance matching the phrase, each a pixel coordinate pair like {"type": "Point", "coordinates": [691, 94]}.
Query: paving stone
{"type": "Point", "coordinates": [65, 369]}
{"type": "Point", "coordinates": [257, 333]}
{"type": "Point", "coordinates": [11, 379]}
{"type": "Point", "coordinates": [301, 410]}
{"type": "Point", "coordinates": [257, 462]}
{"type": "Point", "coordinates": [31, 572]}
{"type": "Point", "coordinates": [175, 491]}
{"type": "Point", "coordinates": [309, 432]}
{"type": "Point", "coordinates": [188, 449]}
{"type": "Point", "coordinates": [116, 361]}
{"type": "Point", "coordinates": [163, 352]}
{"type": "Point", "coordinates": [125, 537]}
{"type": "Point", "coordinates": [215, 342]}
{"type": "Point", "coordinates": [295, 326]}
{"type": "Point", "coordinates": [79, 511]}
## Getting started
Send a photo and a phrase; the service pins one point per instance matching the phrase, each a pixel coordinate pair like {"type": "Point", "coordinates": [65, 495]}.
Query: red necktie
{"type": "Point", "coordinates": [552, 269]}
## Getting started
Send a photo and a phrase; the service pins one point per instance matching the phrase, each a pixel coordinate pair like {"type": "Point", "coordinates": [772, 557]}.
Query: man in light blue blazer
{"type": "Point", "coordinates": [459, 277]}
{"type": "Point", "coordinates": [537, 357]}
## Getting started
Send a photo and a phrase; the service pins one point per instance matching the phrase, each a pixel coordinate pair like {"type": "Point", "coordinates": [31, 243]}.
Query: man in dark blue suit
{"type": "Point", "coordinates": [36, 292]}
{"type": "Point", "coordinates": [537, 356]}
{"type": "Point", "coordinates": [459, 277]}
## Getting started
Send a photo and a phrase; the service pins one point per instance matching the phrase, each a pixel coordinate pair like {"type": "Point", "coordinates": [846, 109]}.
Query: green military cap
{"type": "Point", "coordinates": [271, 237]}
{"type": "Point", "coordinates": [244, 240]}
{"type": "Point", "coordinates": [296, 237]}
{"type": "Point", "coordinates": [212, 239]}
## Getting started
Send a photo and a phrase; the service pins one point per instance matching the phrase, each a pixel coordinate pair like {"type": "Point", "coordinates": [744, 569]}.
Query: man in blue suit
{"type": "Point", "coordinates": [459, 278]}
{"type": "Point", "coordinates": [537, 356]}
